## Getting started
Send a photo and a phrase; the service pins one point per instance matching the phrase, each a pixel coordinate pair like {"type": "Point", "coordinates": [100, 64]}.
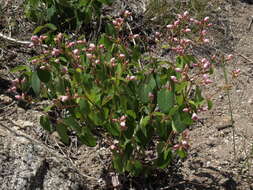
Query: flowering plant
{"type": "Point", "coordinates": [142, 109]}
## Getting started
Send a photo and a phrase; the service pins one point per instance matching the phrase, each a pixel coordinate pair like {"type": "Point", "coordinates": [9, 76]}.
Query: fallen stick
{"type": "Point", "coordinates": [14, 40]}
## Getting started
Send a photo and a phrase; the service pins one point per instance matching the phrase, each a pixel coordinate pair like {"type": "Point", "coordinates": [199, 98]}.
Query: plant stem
{"type": "Point", "coordinates": [230, 106]}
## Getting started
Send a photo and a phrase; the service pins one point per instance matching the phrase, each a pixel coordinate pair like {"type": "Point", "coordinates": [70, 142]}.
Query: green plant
{"type": "Point", "coordinates": [104, 88]}
{"type": "Point", "coordinates": [65, 14]}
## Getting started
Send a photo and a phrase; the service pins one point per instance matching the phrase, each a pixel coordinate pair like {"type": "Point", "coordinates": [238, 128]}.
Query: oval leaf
{"type": "Point", "coordinates": [44, 75]}
{"type": "Point", "coordinates": [35, 83]}
{"type": "Point", "coordinates": [165, 100]}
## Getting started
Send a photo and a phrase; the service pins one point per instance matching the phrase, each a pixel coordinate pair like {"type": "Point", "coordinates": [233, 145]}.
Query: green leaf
{"type": "Point", "coordinates": [21, 68]}
{"type": "Point", "coordinates": [96, 117]}
{"type": "Point", "coordinates": [177, 123]}
{"type": "Point", "coordinates": [110, 30]}
{"type": "Point", "coordinates": [131, 113]}
{"type": "Point", "coordinates": [198, 96]}
{"type": "Point", "coordinates": [165, 100]}
{"type": "Point", "coordinates": [164, 158]}
{"type": "Point", "coordinates": [113, 129]}
{"type": "Point", "coordinates": [143, 123]}
{"type": "Point", "coordinates": [63, 132]}
{"type": "Point", "coordinates": [87, 138]}
{"type": "Point", "coordinates": [138, 168]}
{"type": "Point", "coordinates": [60, 85]}
{"type": "Point", "coordinates": [145, 89]}
{"type": "Point", "coordinates": [44, 75]}
{"type": "Point", "coordinates": [84, 106]}
{"type": "Point", "coordinates": [107, 2]}
{"type": "Point", "coordinates": [182, 154]}
{"type": "Point", "coordinates": [35, 83]}
{"type": "Point", "coordinates": [118, 163]}
{"type": "Point", "coordinates": [45, 123]}
{"type": "Point", "coordinates": [71, 122]}
{"type": "Point", "coordinates": [49, 25]}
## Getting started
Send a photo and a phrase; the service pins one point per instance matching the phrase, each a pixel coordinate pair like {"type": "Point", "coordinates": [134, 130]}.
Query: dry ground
{"type": "Point", "coordinates": [212, 163]}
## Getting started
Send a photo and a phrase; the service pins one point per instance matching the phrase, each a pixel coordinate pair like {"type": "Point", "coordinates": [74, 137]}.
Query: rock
{"type": "Point", "coordinates": [27, 165]}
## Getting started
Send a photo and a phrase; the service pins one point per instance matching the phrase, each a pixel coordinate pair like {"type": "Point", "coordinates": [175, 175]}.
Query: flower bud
{"type": "Point", "coordinates": [55, 52]}
{"type": "Point", "coordinates": [64, 98]}
{"type": "Point", "coordinates": [206, 40]}
{"type": "Point", "coordinates": [186, 110]}
{"type": "Point", "coordinates": [76, 51]}
{"type": "Point", "coordinates": [174, 78]}
{"type": "Point", "coordinates": [122, 56]}
{"type": "Point", "coordinates": [18, 97]}
{"type": "Point", "coordinates": [195, 117]}
{"type": "Point", "coordinates": [229, 57]}
{"type": "Point", "coordinates": [71, 44]}
{"type": "Point", "coordinates": [169, 26]}
{"type": "Point", "coordinates": [206, 19]}
{"type": "Point", "coordinates": [179, 70]}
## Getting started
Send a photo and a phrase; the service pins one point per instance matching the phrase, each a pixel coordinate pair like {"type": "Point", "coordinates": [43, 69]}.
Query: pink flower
{"type": "Point", "coordinates": [206, 40]}
{"type": "Point", "coordinates": [76, 51]}
{"type": "Point", "coordinates": [151, 95]}
{"type": "Point", "coordinates": [13, 89]}
{"type": "Point", "coordinates": [208, 81]}
{"type": "Point", "coordinates": [203, 32]}
{"type": "Point", "coordinates": [178, 69]}
{"type": "Point", "coordinates": [179, 16]}
{"type": "Point", "coordinates": [18, 97]}
{"type": "Point", "coordinates": [46, 52]}
{"type": "Point", "coordinates": [97, 61]}
{"type": "Point", "coordinates": [136, 36]}
{"type": "Point", "coordinates": [229, 57]}
{"type": "Point", "coordinates": [15, 82]}
{"type": "Point", "coordinates": [127, 13]}
{"type": "Point", "coordinates": [113, 147]}
{"type": "Point", "coordinates": [122, 56]}
{"type": "Point", "coordinates": [206, 19]}
{"type": "Point", "coordinates": [123, 118]}
{"type": "Point", "coordinates": [176, 146]}
{"type": "Point", "coordinates": [174, 78]}
{"type": "Point", "coordinates": [101, 46]}
{"type": "Point", "coordinates": [205, 76]}
{"type": "Point", "coordinates": [64, 69]}
{"type": "Point", "coordinates": [195, 117]}
{"type": "Point", "coordinates": [35, 40]}
{"type": "Point", "coordinates": [43, 67]}
{"type": "Point", "coordinates": [64, 98]}
{"type": "Point", "coordinates": [122, 123]}
{"type": "Point", "coordinates": [89, 55]}
{"type": "Point", "coordinates": [112, 61]}
{"type": "Point", "coordinates": [42, 38]}
{"type": "Point", "coordinates": [57, 60]}
{"type": "Point", "coordinates": [186, 110]}
{"type": "Point", "coordinates": [206, 65]}
{"type": "Point", "coordinates": [92, 47]}
{"type": "Point", "coordinates": [185, 14]}
{"type": "Point", "coordinates": [81, 41]}
{"type": "Point", "coordinates": [187, 30]}
{"type": "Point", "coordinates": [169, 26]}
{"type": "Point", "coordinates": [130, 77]}
{"type": "Point", "coordinates": [71, 44]}
{"type": "Point", "coordinates": [177, 22]}
{"type": "Point", "coordinates": [55, 52]}
{"type": "Point", "coordinates": [59, 37]}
